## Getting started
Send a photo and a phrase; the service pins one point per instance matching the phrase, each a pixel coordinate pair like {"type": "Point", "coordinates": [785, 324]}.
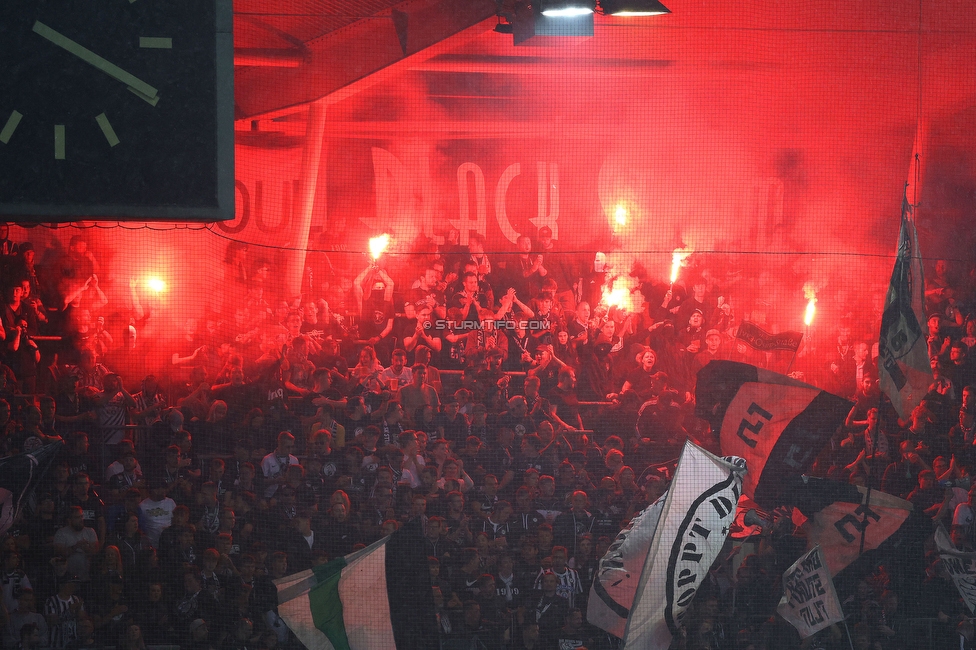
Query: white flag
{"type": "Point", "coordinates": [960, 565]}
{"type": "Point", "coordinates": [809, 601]}
{"type": "Point", "coordinates": [694, 523]}
{"type": "Point", "coordinates": [615, 584]}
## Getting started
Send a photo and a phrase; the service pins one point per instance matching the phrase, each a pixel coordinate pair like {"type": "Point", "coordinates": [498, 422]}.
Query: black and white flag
{"type": "Point", "coordinates": [694, 522]}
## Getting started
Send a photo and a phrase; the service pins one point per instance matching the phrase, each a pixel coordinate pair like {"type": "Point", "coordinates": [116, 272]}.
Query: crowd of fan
{"type": "Point", "coordinates": [283, 435]}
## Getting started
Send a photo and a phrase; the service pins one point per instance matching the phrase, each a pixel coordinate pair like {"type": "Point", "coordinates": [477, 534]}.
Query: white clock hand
{"type": "Point", "coordinates": [136, 85]}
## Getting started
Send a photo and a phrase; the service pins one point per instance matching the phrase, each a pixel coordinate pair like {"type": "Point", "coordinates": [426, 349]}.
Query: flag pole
{"type": "Point", "coordinates": [793, 358]}
{"type": "Point", "coordinates": [846, 629]}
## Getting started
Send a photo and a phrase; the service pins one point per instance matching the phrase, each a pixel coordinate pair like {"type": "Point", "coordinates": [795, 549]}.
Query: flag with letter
{"type": "Point", "coordinates": [847, 520]}
{"type": "Point", "coordinates": [19, 476]}
{"type": "Point", "coordinates": [619, 571]}
{"type": "Point", "coordinates": [776, 423]}
{"type": "Point", "coordinates": [692, 527]}
{"type": "Point", "coordinates": [809, 601]}
{"type": "Point", "coordinates": [960, 565]}
{"type": "Point", "coordinates": [378, 598]}
{"type": "Point", "coordinates": [903, 355]}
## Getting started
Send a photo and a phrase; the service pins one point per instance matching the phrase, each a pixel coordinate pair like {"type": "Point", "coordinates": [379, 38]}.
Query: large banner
{"type": "Point", "coordinates": [809, 601]}
{"type": "Point", "coordinates": [615, 584]}
{"type": "Point", "coordinates": [698, 512]}
{"type": "Point", "coordinates": [776, 423]}
{"type": "Point", "coordinates": [847, 520]}
{"type": "Point", "coordinates": [960, 565]}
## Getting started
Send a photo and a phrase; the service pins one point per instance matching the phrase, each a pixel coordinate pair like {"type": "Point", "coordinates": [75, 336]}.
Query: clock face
{"type": "Point", "coordinates": [109, 106]}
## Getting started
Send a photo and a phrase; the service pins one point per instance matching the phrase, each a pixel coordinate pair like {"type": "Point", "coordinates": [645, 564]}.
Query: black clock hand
{"type": "Point", "coordinates": [136, 85]}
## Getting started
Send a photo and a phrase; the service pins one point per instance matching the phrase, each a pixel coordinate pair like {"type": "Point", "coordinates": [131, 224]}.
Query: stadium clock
{"type": "Point", "coordinates": [116, 109]}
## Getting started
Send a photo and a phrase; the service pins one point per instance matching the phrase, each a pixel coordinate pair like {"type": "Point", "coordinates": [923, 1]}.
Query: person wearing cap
{"type": "Point", "coordinates": [690, 338]}
{"type": "Point", "coordinates": [713, 342]}
{"type": "Point", "coordinates": [452, 424]}
{"type": "Point", "coordinates": [129, 477]}
{"type": "Point", "coordinates": [108, 609]}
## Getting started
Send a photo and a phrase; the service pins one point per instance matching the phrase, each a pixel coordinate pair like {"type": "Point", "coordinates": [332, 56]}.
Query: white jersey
{"type": "Point", "coordinates": [273, 467]}
{"type": "Point", "coordinates": [64, 631]}
{"type": "Point", "coordinates": [569, 584]}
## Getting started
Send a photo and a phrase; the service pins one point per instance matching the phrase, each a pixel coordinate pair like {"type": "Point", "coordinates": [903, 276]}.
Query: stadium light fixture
{"type": "Point", "coordinates": [633, 8]}
{"type": "Point", "coordinates": [566, 8]}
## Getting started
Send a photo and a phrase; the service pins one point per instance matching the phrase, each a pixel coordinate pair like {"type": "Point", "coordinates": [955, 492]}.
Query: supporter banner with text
{"type": "Point", "coordinates": [695, 521]}
{"type": "Point", "coordinates": [755, 345]}
{"type": "Point", "coordinates": [809, 601]}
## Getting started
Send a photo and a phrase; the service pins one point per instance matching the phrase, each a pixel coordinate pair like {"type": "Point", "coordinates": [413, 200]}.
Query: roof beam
{"type": "Point", "coordinates": [354, 52]}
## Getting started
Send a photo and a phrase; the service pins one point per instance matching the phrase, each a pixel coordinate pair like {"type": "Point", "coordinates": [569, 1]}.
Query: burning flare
{"type": "Point", "coordinates": [620, 216]}
{"type": "Point", "coordinates": [155, 284]}
{"type": "Point", "coordinates": [618, 293]}
{"type": "Point", "coordinates": [378, 245]}
{"type": "Point", "coordinates": [811, 295]}
{"type": "Point", "coordinates": [678, 258]}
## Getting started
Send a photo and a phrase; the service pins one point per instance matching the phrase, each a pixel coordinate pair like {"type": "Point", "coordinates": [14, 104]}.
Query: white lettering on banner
{"type": "Point", "coordinates": [809, 602]}
{"type": "Point", "coordinates": [548, 193]}
{"type": "Point", "coordinates": [395, 182]}
{"type": "Point", "coordinates": [404, 195]}
{"type": "Point", "coordinates": [464, 223]}
{"type": "Point", "coordinates": [501, 210]}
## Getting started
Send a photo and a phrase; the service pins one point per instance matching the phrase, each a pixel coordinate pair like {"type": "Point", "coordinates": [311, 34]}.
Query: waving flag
{"type": "Point", "coordinates": [777, 424]}
{"type": "Point", "coordinates": [19, 476]}
{"type": "Point", "coordinates": [847, 520]}
{"type": "Point", "coordinates": [694, 522]}
{"type": "Point", "coordinates": [618, 574]}
{"type": "Point", "coordinates": [378, 598]}
{"type": "Point", "coordinates": [903, 356]}
{"type": "Point", "coordinates": [776, 351]}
